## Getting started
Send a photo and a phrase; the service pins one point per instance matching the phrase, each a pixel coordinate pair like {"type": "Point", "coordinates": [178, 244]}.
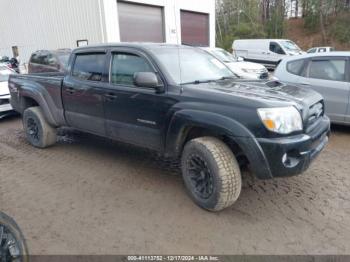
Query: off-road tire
{"type": "Point", "coordinates": [46, 134]}
{"type": "Point", "coordinates": [222, 167]}
{"type": "Point", "coordinates": [9, 226]}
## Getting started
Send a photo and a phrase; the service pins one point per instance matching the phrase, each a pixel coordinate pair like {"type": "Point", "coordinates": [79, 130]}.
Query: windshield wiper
{"type": "Point", "coordinates": [196, 82]}
{"type": "Point", "coordinates": [226, 78]}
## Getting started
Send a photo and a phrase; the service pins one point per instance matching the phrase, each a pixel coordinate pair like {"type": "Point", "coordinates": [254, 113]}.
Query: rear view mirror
{"type": "Point", "coordinates": [145, 79]}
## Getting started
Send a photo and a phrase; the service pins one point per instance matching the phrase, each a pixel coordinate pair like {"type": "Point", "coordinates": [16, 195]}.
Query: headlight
{"type": "Point", "coordinates": [282, 120]}
{"type": "Point", "coordinates": [250, 71]}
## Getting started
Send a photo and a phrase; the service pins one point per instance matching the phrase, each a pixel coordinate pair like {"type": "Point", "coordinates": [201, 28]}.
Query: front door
{"type": "Point", "coordinates": [327, 75]}
{"type": "Point", "coordinates": [136, 115]}
{"type": "Point", "coordinates": [82, 93]}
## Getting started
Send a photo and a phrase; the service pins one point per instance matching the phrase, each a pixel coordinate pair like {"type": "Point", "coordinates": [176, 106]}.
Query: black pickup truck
{"type": "Point", "coordinates": [183, 103]}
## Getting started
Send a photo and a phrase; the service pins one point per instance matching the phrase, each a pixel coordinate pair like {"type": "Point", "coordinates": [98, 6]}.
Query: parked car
{"type": "Point", "coordinates": [268, 52]}
{"type": "Point", "coordinates": [5, 106]}
{"type": "Point", "coordinates": [11, 63]}
{"type": "Point", "coordinates": [326, 73]}
{"type": "Point", "coordinates": [237, 65]}
{"type": "Point", "coordinates": [182, 103]}
{"type": "Point", "coordinates": [321, 49]}
{"type": "Point", "coordinates": [49, 61]}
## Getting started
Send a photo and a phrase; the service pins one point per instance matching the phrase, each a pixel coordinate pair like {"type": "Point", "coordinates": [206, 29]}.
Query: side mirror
{"type": "Point", "coordinates": [240, 59]}
{"type": "Point", "coordinates": [149, 80]}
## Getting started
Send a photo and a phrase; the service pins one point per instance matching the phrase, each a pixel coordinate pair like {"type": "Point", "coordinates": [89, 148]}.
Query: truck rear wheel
{"type": "Point", "coordinates": [39, 132]}
{"type": "Point", "coordinates": [211, 173]}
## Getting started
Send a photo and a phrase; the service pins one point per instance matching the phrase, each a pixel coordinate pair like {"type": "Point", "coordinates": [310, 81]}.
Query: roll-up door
{"type": "Point", "coordinates": [194, 28]}
{"type": "Point", "coordinates": [141, 23]}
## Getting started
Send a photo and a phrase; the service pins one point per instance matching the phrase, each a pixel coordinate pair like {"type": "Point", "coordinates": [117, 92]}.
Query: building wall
{"type": "Point", "coordinates": [48, 24]}
{"type": "Point", "coordinates": [51, 24]}
{"type": "Point", "coordinates": [171, 17]}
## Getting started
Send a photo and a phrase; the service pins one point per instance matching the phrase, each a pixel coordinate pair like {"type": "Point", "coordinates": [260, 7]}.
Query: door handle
{"type": "Point", "coordinates": [111, 96]}
{"type": "Point", "coordinates": [71, 90]}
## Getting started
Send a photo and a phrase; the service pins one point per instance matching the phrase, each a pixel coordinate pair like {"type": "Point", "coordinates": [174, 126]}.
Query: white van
{"type": "Point", "coordinates": [268, 52]}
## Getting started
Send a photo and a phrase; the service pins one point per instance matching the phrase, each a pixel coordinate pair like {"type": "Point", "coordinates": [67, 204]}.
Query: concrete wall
{"type": "Point", "coordinates": [50, 24]}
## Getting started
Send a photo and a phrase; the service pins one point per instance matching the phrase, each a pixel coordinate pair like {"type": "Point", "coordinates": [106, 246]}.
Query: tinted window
{"type": "Point", "coordinates": [333, 69]}
{"type": "Point", "coordinates": [313, 50]}
{"type": "Point", "coordinates": [89, 66]}
{"type": "Point", "coordinates": [34, 59]}
{"type": "Point", "coordinates": [295, 67]}
{"type": "Point", "coordinates": [276, 48]}
{"type": "Point", "coordinates": [124, 66]}
{"type": "Point", "coordinates": [51, 60]}
{"type": "Point", "coordinates": [39, 58]}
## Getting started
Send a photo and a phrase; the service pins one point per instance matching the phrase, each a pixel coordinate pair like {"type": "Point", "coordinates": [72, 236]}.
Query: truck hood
{"type": "Point", "coordinates": [272, 91]}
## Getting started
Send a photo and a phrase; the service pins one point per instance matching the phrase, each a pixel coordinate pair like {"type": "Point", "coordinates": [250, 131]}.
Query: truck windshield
{"type": "Point", "coordinates": [290, 46]}
{"type": "Point", "coordinates": [190, 65]}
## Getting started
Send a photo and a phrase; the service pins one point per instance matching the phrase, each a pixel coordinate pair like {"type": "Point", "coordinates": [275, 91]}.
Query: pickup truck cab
{"type": "Point", "coordinates": [183, 103]}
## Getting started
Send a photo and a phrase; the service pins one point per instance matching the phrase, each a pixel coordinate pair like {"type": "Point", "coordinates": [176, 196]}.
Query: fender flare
{"type": "Point", "coordinates": [184, 119]}
{"type": "Point", "coordinates": [41, 96]}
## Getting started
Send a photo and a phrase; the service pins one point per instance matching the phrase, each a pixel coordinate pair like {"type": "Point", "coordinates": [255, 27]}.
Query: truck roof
{"type": "Point", "coordinates": [141, 45]}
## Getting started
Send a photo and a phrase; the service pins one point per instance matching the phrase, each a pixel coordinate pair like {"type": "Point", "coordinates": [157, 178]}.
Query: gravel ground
{"type": "Point", "coordinates": [87, 195]}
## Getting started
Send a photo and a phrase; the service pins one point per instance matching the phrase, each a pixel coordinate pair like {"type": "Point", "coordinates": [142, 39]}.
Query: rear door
{"type": "Point", "coordinates": [327, 75]}
{"type": "Point", "coordinates": [136, 115]}
{"type": "Point", "coordinates": [82, 92]}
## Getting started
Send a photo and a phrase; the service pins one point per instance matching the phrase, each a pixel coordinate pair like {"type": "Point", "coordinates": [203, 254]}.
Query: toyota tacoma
{"type": "Point", "coordinates": [182, 103]}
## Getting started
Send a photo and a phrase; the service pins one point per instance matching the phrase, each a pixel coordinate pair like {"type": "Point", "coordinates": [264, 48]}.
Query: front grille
{"type": "Point", "coordinates": [316, 111]}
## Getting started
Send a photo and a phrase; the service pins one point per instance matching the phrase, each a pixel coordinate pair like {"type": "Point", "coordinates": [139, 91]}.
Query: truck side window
{"type": "Point", "coordinates": [89, 67]}
{"type": "Point", "coordinates": [276, 48]}
{"type": "Point", "coordinates": [124, 66]}
{"type": "Point", "coordinates": [332, 69]}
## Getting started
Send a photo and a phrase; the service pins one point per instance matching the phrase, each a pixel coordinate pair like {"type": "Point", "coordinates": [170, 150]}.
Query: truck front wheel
{"type": "Point", "coordinates": [211, 173]}
{"type": "Point", "coordinates": [39, 132]}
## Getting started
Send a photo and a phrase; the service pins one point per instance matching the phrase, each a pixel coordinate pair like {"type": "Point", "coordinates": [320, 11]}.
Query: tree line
{"type": "Point", "coordinates": [237, 19]}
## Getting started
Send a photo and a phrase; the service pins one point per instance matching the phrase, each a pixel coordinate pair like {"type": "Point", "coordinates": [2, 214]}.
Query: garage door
{"type": "Point", "coordinates": [140, 23]}
{"type": "Point", "coordinates": [194, 28]}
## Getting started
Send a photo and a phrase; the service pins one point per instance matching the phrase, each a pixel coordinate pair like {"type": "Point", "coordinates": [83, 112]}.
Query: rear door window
{"type": "Point", "coordinates": [89, 67]}
{"type": "Point", "coordinates": [296, 67]}
{"type": "Point", "coordinates": [328, 69]}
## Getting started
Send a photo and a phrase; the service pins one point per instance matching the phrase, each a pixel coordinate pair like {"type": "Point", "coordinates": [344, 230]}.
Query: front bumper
{"type": "Point", "coordinates": [287, 156]}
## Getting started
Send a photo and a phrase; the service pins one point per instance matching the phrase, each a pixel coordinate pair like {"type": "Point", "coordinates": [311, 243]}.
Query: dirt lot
{"type": "Point", "coordinates": [87, 195]}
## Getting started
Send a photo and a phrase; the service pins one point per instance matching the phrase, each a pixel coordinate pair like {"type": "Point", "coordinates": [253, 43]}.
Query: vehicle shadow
{"type": "Point", "coordinates": [274, 194]}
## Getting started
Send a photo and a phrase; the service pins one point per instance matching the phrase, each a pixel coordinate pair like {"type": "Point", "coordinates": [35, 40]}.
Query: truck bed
{"type": "Point", "coordinates": [48, 88]}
